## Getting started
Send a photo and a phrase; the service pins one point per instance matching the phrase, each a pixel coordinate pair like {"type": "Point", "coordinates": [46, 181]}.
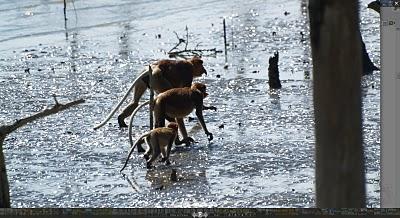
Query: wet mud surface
{"type": "Point", "coordinates": [262, 154]}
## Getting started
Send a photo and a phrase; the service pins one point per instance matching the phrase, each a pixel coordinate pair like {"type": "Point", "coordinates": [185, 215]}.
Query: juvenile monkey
{"type": "Point", "coordinates": [178, 103]}
{"type": "Point", "coordinates": [166, 74]}
{"type": "Point", "coordinates": [159, 140]}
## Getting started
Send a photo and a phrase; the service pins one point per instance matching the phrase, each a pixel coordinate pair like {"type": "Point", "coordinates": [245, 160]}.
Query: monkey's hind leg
{"type": "Point", "coordinates": [167, 152]}
{"type": "Point", "coordinates": [155, 151]}
{"type": "Point", "coordinates": [149, 150]}
{"type": "Point", "coordinates": [140, 88]}
{"type": "Point", "coordinates": [155, 154]}
{"type": "Point", "coordinates": [165, 155]}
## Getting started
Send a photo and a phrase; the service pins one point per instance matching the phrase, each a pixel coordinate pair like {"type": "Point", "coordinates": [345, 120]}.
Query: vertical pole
{"type": "Point", "coordinates": [65, 10]}
{"type": "Point", "coordinates": [65, 19]}
{"type": "Point", "coordinates": [151, 97]}
{"type": "Point", "coordinates": [226, 54]}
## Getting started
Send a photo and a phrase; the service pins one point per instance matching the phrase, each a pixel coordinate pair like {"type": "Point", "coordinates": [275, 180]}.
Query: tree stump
{"type": "Point", "coordinates": [273, 72]}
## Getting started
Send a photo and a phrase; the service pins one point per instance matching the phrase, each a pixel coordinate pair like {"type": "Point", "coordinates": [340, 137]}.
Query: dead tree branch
{"type": "Point", "coordinates": [187, 37]}
{"type": "Point", "coordinates": [7, 129]}
{"type": "Point", "coordinates": [184, 53]}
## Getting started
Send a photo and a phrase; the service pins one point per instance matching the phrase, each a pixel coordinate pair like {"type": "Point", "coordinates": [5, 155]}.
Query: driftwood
{"type": "Point", "coordinates": [7, 129]}
{"type": "Point", "coordinates": [273, 72]}
{"type": "Point", "coordinates": [184, 53]}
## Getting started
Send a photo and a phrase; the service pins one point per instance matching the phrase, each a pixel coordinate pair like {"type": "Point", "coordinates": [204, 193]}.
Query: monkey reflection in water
{"type": "Point", "coordinates": [165, 178]}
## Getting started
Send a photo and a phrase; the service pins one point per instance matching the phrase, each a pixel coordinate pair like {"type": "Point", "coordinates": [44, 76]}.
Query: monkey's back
{"type": "Point", "coordinates": [178, 73]}
{"type": "Point", "coordinates": [163, 134]}
{"type": "Point", "coordinates": [176, 102]}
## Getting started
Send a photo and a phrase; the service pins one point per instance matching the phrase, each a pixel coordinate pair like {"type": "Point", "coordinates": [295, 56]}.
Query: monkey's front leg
{"type": "Point", "coordinates": [199, 114]}
{"type": "Point", "coordinates": [186, 140]}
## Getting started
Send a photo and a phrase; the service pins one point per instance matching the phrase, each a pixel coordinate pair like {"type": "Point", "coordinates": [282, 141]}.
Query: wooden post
{"type": "Point", "coordinates": [65, 10]}
{"type": "Point", "coordinates": [225, 45]}
{"type": "Point", "coordinates": [336, 55]}
{"type": "Point", "coordinates": [65, 19]}
{"type": "Point", "coordinates": [151, 97]}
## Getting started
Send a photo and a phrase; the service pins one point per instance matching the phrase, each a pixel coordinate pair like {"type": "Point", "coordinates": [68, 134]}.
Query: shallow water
{"type": "Point", "coordinates": [263, 157]}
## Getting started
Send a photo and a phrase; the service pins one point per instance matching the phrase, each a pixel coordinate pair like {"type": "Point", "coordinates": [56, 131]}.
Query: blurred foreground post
{"type": "Point", "coordinates": [336, 54]}
{"type": "Point", "coordinates": [7, 129]}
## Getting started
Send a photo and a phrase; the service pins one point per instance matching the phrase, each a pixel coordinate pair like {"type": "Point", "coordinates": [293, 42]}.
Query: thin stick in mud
{"type": "Point", "coordinates": [65, 19]}
{"type": "Point", "coordinates": [225, 45]}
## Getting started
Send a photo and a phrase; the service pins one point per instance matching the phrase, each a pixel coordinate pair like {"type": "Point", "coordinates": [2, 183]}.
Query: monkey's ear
{"type": "Point", "coordinates": [197, 60]}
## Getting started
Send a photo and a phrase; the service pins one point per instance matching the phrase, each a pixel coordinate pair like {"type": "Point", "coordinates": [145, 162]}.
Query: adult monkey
{"type": "Point", "coordinates": [178, 103]}
{"type": "Point", "coordinates": [166, 74]}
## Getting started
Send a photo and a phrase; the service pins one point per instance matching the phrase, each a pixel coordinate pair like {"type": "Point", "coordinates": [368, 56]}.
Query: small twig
{"type": "Point", "coordinates": [76, 15]}
{"type": "Point", "coordinates": [55, 99]}
{"type": "Point", "coordinates": [180, 41]}
{"type": "Point", "coordinates": [195, 50]}
{"type": "Point", "coordinates": [187, 37]}
{"type": "Point", "coordinates": [65, 10]}
{"type": "Point", "coordinates": [65, 19]}
{"type": "Point", "coordinates": [225, 45]}
{"type": "Point", "coordinates": [176, 46]}
{"type": "Point", "coordinates": [197, 45]}
{"type": "Point", "coordinates": [177, 36]}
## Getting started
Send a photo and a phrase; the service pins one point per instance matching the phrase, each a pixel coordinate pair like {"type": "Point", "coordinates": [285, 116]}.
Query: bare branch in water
{"type": "Point", "coordinates": [174, 52]}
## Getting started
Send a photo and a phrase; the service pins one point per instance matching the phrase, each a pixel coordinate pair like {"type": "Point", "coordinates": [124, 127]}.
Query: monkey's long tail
{"type": "Point", "coordinates": [131, 121]}
{"type": "Point", "coordinates": [143, 73]}
{"type": "Point", "coordinates": [131, 151]}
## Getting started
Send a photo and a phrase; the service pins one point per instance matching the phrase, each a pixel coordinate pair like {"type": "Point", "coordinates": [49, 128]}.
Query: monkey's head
{"type": "Point", "coordinates": [173, 126]}
{"type": "Point", "coordinates": [198, 68]}
{"type": "Point", "coordinates": [201, 87]}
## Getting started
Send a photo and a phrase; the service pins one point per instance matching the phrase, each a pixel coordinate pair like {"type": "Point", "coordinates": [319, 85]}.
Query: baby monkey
{"type": "Point", "coordinates": [159, 140]}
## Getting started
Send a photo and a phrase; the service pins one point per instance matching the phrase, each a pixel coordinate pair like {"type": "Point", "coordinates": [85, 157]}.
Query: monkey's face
{"type": "Point", "coordinates": [173, 126]}
{"type": "Point", "coordinates": [201, 87]}
{"type": "Point", "coordinates": [198, 68]}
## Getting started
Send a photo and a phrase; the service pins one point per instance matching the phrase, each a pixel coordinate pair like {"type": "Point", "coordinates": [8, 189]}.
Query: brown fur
{"type": "Point", "coordinates": [159, 140]}
{"type": "Point", "coordinates": [166, 74]}
{"type": "Point", "coordinates": [178, 103]}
